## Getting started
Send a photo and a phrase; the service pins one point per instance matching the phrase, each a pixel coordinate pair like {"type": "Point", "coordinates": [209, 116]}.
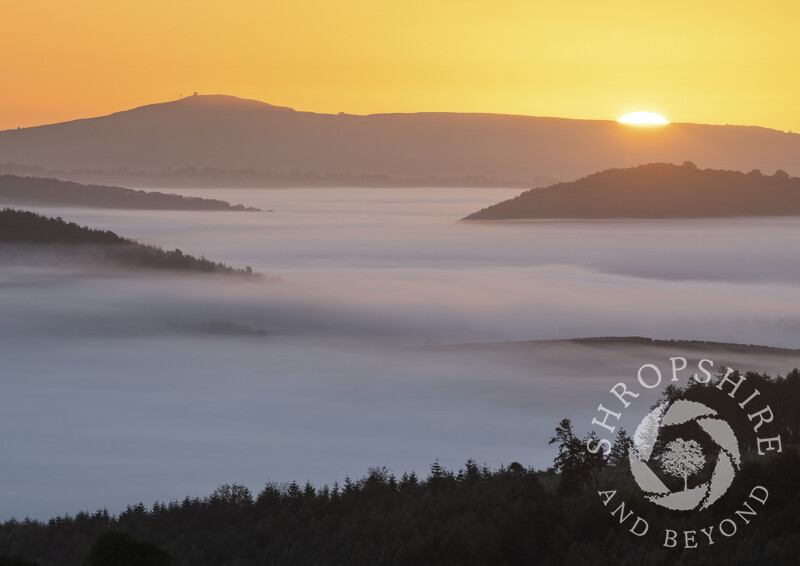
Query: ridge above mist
{"type": "Point", "coordinates": [655, 190]}
{"type": "Point", "coordinates": [220, 132]}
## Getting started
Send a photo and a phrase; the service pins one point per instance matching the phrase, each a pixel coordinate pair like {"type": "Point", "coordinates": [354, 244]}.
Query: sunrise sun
{"type": "Point", "coordinates": [643, 119]}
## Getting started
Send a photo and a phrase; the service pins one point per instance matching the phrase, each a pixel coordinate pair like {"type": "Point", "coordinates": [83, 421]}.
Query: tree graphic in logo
{"type": "Point", "coordinates": [682, 458]}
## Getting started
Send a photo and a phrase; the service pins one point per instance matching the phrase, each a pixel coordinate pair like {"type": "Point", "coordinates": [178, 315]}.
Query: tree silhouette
{"type": "Point", "coordinates": [575, 463]}
{"type": "Point", "coordinates": [682, 458]}
{"type": "Point", "coordinates": [619, 451]}
{"type": "Point", "coordinates": [482, 517]}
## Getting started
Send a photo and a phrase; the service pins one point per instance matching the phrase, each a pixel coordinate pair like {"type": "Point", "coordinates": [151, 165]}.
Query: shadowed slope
{"type": "Point", "coordinates": [657, 190]}
{"type": "Point", "coordinates": [53, 192]}
{"type": "Point", "coordinates": [82, 243]}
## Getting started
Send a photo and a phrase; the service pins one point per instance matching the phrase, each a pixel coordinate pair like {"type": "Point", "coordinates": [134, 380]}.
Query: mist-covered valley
{"type": "Point", "coordinates": [378, 336]}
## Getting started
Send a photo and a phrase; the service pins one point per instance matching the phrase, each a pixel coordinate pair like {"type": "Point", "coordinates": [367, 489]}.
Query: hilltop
{"type": "Point", "coordinates": [656, 190]}
{"type": "Point", "coordinates": [223, 137]}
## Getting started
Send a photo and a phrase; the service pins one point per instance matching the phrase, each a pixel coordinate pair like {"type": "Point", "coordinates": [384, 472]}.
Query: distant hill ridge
{"type": "Point", "coordinates": [226, 133]}
{"type": "Point", "coordinates": [656, 190]}
{"type": "Point", "coordinates": [16, 189]}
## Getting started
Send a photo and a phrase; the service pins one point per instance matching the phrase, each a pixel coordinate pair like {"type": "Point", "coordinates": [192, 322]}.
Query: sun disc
{"type": "Point", "coordinates": [643, 119]}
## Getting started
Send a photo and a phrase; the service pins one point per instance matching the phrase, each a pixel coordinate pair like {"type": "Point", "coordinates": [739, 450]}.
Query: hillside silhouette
{"type": "Point", "coordinates": [217, 178]}
{"type": "Point", "coordinates": [225, 133]}
{"type": "Point", "coordinates": [656, 190]}
{"type": "Point", "coordinates": [104, 246]}
{"type": "Point", "coordinates": [476, 515]}
{"type": "Point", "coordinates": [53, 192]}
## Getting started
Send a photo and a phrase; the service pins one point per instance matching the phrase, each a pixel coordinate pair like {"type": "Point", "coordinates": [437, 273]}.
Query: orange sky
{"type": "Point", "coordinates": [709, 62]}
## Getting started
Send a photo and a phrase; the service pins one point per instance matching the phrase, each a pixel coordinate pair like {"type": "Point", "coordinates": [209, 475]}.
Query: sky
{"type": "Point", "coordinates": [709, 62]}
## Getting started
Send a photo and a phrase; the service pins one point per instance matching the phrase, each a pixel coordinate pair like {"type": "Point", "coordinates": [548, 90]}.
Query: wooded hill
{"type": "Point", "coordinates": [476, 515]}
{"type": "Point", "coordinates": [656, 190]}
{"type": "Point", "coordinates": [104, 246]}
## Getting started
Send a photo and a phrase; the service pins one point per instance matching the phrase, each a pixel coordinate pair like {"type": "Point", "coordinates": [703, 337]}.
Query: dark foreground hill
{"type": "Point", "coordinates": [38, 233]}
{"type": "Point", "coordinates": [474, 516]}
{"type": "Point", "coordinates": [656, 190]}
{"type": "Point", "coordinates": [53, 192]}
{"type": "Point", "coordinates": [219, 136]}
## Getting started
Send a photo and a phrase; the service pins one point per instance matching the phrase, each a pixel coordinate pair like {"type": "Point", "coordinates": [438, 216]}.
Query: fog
{"type": "Point", "coordinates": [382, 341]}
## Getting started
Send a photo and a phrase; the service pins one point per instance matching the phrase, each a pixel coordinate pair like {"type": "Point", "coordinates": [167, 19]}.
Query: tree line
{"type": "Point", "coordinates": [24, 227]}
{"type": "Point", "coordinates": [511, 515]}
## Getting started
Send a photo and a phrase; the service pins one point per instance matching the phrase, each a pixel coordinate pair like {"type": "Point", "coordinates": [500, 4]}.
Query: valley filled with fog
{"type": "Point", "coordinates": [385, 332]}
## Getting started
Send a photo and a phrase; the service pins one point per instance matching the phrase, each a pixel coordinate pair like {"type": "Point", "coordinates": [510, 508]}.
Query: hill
{"type": "Point", "coordinates": [53, 192]}
{"type": "Point", "coordinates": [477, 515]}
{"type": "Point", "coordinates": [282, 146]}
{"type": "Point", "coordinates": [82, 243]}
{"type": "Point", "coordinates": [656, 190]}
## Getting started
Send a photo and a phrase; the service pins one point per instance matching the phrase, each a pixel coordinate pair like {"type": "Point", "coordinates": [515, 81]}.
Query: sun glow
{"type": "Point", "coordinates": [643, 119]}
